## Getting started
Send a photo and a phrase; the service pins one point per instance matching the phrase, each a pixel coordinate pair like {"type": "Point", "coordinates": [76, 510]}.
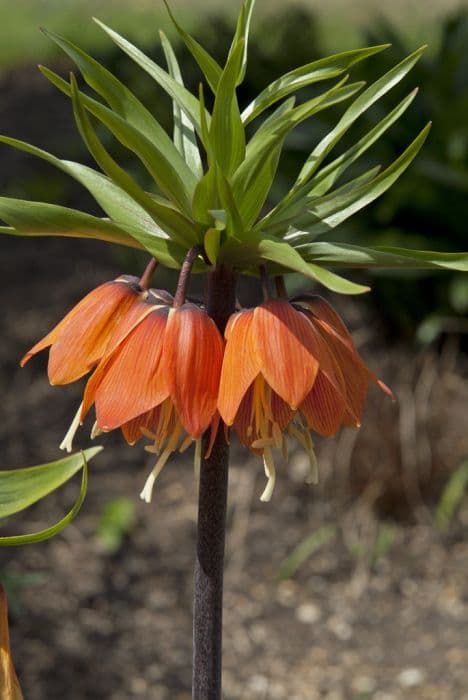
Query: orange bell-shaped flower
{"type": "Point", "coordinates": [289, 368]}
{"type": "Point", "coordinates": [9, 684]}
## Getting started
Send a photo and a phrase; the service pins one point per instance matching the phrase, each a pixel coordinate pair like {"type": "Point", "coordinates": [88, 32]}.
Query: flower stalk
{"type": "Point", "coordinates": [212, 501]}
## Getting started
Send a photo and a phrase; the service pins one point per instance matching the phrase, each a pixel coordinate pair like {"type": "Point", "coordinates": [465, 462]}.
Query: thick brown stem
{"type": "Point", "coordinates": [184, 276]}
{"type": "Point", "coordinates": [145, 279]}
{"type": "Point", "coordinates": [212, 499]}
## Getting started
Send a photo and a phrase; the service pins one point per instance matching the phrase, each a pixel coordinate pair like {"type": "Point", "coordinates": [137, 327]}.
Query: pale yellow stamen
{"type": "Point", "coordinates": [197, 459]}
{"type": "Point", "coordinates": [147, 491]}
{"type": "Point", "coordinates": [270, 472]}
{"type": "Point", "coordinates": [95, 431]}
{"type": "Point", "coordinates": [67, 442]}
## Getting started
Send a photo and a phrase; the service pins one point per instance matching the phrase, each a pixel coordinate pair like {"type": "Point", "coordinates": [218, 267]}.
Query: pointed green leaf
{"type": "Point", "coordinates": [387, 257]}
{"type": "Point", "coordinates": [373, 93]}
{"type": "Point", "coordinates": [179, 228]}
{"type": "Point", "coordinates": [253, 251]}
{"type": "Point", "coordinates": [183, 97]}
{"type": "Point", "coordinates": [323, 69]}
{"type": "Point", "coordinates": [119, 97]}
{"type": "Point", "coordinates": [336, 207]}
{"type": "Point", "coordinates": [184, 133]}
{"type": "Point", "coordinates": [326, 177]}
{"type": "Point", "coordinates": [116, 203]}
{"type": "Point", "coordinates": [297, 214]}
{"type": "Point", "coordinates": [234, 223]}
{"type": "Point", "coordinates": [266, 139]}
{"type": "Point", "coordinates": [15, 540]}
{"type": "Point", "coordinates": [177, 184]}
{"type": "Point", "coordinates": [20, 488]}
{"type": "Point", "coordinates": [242, 33]}
{"type": "Point", "coordinates": [227, 135]}
{"type": "Point", "coordinates": [27, 218]}
{"type": "Point", "coordinates": [207, 64]}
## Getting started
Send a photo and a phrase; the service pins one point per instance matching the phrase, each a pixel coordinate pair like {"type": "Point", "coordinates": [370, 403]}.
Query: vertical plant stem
{"type": "Point", "coordinates": [212, 500]}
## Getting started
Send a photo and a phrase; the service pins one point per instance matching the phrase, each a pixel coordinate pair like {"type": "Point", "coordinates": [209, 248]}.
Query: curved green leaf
{"type": "Point", "coordinates": [119, 97]}
{"type": "Point", "coordinates": [177, 184]}
{"type": "Point", "coordinates": [373, 93]}
{"type": "Point", "coordinates": [242, 32]}
{"type": "Point", "coordinates": [323, 69]}
{"type": "Point", "coordinates": [207, 64]}
{"type": "Point", "coordinates": [180, 229]}
{"type": "Point", "coordinates": [27, 218]}
{"type": "Point", "coordinates": [15, 540]}
{"type": "Point", "coordinates": [116, 203]}
{"type": "Point", "coordinates": [331, 210]}
{"type": "Point", "coordinates": [20, 488]}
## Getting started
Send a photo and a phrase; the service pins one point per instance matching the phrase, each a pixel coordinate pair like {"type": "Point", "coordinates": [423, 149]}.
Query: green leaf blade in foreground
{"type": "Point", "coordinates": [20, 488]}
{"type": "Point", "coordinates": [16, 540]}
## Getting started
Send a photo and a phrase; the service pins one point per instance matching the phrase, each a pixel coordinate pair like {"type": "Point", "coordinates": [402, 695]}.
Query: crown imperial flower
{"type": "Point", "coordinates": [290, 367]}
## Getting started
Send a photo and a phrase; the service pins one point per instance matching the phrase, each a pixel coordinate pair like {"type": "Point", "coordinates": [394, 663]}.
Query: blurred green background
{"type": "Point", "coordinates": [373, 559]}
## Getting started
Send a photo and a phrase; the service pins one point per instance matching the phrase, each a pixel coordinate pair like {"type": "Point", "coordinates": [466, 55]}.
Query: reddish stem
{"type": "Point", "coordinates": [145, 279]}
{"type": "Point", "coordinates": [184, 276]}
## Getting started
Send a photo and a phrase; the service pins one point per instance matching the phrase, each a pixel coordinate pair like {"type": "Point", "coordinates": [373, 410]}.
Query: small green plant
{"type": "Point", "coordinates": [452, 497]}
{"type": "Point", "coordinates": [115, 523]}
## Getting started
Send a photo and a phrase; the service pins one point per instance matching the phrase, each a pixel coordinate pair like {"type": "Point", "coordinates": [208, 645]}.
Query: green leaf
{"type": "Point", "coordinates": [211, 243]}
{"type": "Point", "coordinates": [242, 33]}
{"type": "Point", "coordinates": [20, 488]}
{"type": "Point", "coordinates": [331, 210]}
{"type": "Point", "coordinates": [296, 214]}
{"type": "Point", "coordinates": [15, 540]}
{"type": "Point", "coordinates": [27, 218]}
{"type": "Point", "coordinates": [373, 93]}
{"type": "Point", "coordinates": [323, 69]}
{"type": "Point", "coordinates": [305, 549]}
{"type": "Point", "coordinates": [327, 176]}
{"type": "Point", "coordinates": [119, 97]}
{"type": "Point", "coordinates": [260, 249]}
{"type": "Point", "coordinates": [184, 133]}
{"type": "Point", "coordinates": [117, 204]}
{"type": "Point", "coordinates": [234, 223]}
{"type": "Point", "coordinates": [227, 135]}
{"type": "Point", "coordinates": [179, 228]}
{"type": "Point", "coordinates": [452, 497]}
{"type": "Point", "coordinates": [268, 136]}
{"type": "Point", "coordinates": [186, 101]}
{"type": "Point", "coordinates": [388, 257]}
{"type": "Point", "coordinates": [176, 182]}
{"type": "Point", "coordinates": [207, 64]}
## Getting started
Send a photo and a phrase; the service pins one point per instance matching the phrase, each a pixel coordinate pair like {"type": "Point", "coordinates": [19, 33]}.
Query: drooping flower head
{"type": "Point", "coordinates": [156, 366]}
{"type": "Point", "coordinates": [288, 369]}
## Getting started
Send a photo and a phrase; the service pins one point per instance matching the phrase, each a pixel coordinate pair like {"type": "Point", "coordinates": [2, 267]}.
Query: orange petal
{"type": "Point", "coordinates": [324, 407]}
{"type": "Point", "coordinates": [79, 340]}
{"type": "Point", "coordinates": [192, 359]}
{"type": "Point", "coordinates": [355, 374]}
{"type": "Point", "coordinates": [239, 365]}
{"type": "Point", "coordinates": [132, 380]}
{"type": "Point", "coordinates": [134, 316]}
{"type": "Point", "coordinates": [132, 430]}
{"type": "Point", "coordinates": [9, 684]}
{"type": "Point", "coordinates": [243, 422]}
{"type": "Point", "coordinates": [282, 341]}
{"type": "Point", "coordinates": [332, 323]}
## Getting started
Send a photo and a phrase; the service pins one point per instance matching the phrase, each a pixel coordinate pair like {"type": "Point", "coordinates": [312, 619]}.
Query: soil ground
{"type": "Point", "coordinates": [379, 611]}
